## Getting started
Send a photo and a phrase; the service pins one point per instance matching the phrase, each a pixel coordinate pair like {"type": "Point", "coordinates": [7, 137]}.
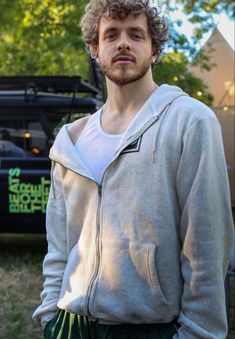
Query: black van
{"type": "Point", "coordinates": [32, 110]}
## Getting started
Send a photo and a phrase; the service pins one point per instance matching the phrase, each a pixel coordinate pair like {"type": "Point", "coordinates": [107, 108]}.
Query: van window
{"type": "Point", "coordinates": [27, 136]}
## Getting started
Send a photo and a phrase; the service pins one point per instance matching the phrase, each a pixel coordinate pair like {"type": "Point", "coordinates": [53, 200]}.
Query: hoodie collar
{"type": "Point", "coordinates": [65, 153]}
{"type": "Point", "coordinates": [161, 97]}
{"type": "Point", "coordinates": [152, 109]}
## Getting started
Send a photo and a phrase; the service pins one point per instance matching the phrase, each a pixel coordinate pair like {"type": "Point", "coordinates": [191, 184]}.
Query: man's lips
{"type": "Point", "coordinates": [123, 59]}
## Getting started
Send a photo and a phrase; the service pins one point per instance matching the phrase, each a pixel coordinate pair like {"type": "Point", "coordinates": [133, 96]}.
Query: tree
{"type": "Point", "coordinates": [184, 50]}
{"type": "Point", "coordinates": [201, 13]}
{"type": "Point", "coordinates": [43, 37]}
{"type": "Point", "coordinates": [173, 69]}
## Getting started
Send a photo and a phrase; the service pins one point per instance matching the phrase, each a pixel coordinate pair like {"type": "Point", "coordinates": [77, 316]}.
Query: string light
{"type": "Point", "coordinates": [27, 135]}
{"type": "Point", "coordinates": [35, 150]}
{"type": "Point", "coordinates": [175, 78]}
{"type": "Point", "coordinates": [199, 93]}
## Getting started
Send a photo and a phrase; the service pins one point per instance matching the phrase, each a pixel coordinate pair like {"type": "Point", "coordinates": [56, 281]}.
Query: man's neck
{"type": "Point", "coordinates": [128, 99]}
{"type": "Point", "coordinates": [124, 102]}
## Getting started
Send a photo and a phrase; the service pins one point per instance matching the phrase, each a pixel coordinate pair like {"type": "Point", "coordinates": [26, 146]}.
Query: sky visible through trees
{"type": "Point", "coordinates": [44, 38]}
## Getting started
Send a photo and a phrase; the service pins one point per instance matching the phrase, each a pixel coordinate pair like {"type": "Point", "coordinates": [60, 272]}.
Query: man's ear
{"type": "Point", "coordinates": [94, 50]}
{"type": "Point", "coordinates": [154, 52]}
{"type": "Point", "coordinates": [154, 56]}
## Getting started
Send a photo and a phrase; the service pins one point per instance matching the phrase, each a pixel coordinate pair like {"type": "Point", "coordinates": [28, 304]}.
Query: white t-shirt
{"type": "Point", "coordinates": [96, 148]}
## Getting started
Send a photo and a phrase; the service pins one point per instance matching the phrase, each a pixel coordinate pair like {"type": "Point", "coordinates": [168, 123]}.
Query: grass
{"type": "Point", "coordinates": [20, 284]}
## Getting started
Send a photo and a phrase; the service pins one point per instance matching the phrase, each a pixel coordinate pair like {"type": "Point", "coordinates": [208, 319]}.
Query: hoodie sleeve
{"type": "Point", "coordinates": [56, 257]}
{"type": "Point", "coordinates": [206, 231]}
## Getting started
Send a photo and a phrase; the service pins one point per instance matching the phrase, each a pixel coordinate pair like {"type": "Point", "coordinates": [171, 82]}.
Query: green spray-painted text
{"type": "Point", "coordinates": [26, 197]}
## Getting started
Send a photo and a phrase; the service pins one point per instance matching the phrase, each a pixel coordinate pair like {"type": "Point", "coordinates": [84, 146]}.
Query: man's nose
{"type": "Point", "coordinates": [124, 43]}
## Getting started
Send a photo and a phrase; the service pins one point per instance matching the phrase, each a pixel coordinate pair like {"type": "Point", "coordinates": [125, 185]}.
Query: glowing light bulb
{"type": "Point", "coordinates": [27, 135]}
{"type": "Point", "coordinates": [35, 150]}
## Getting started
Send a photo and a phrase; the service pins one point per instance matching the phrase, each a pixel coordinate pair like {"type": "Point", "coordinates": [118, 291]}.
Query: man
{"type": "Point", "coordinates": [139, 221]}
{"type": "Point", "coordinates": [7, 147]}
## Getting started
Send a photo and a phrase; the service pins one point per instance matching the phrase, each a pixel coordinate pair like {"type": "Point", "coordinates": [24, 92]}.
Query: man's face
{"type": "Point", "coordinates": [124, 52]}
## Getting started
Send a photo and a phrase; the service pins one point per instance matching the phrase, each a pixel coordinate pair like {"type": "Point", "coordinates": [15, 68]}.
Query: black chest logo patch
{"type": "Point", "coordinates": [133, 147]}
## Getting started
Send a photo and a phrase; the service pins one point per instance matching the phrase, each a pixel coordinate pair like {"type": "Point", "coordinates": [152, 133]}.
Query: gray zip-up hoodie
{"type": "Point", "coordinates": [152, 242]}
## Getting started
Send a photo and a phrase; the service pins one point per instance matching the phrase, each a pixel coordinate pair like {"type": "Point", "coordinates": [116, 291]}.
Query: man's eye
{"type": "Point", "coordinates": [136, 36]}
{"type": "Point", "coordinates": [110, 37]}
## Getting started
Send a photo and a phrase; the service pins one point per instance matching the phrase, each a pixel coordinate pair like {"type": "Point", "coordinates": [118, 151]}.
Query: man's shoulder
{"type": "Point", "coordinates": [186, 111]}
{"type": "Point", "coordinates": [193, 108]}
{"type": "Point", "coordinates": [75, 128]}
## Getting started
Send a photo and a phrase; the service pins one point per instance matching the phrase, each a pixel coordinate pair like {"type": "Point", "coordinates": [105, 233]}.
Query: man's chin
{"type": "Point", "coordinates": [122, 76]}
{"type": "Point", "coordinates": [123, 80]}
{"type": "Point", "coordinates": [120, 81]}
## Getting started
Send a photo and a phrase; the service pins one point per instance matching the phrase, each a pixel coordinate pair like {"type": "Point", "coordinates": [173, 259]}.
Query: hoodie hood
{"type": "Point", "coordinates": [64, 152]}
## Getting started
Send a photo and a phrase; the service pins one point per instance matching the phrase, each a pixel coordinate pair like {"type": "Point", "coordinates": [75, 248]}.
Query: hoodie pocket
{"type": "Point", "coordinates": [153, 275]}
{"type": "Point", "coordinates": [127, 288]}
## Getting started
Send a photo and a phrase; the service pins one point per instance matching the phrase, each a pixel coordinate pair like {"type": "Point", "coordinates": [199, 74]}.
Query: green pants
{"type": "Point", "coordinates": [66, 325]}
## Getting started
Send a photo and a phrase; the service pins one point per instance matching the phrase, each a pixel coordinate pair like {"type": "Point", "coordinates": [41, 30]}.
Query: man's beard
{"type": "Point", "coordinates": [121, 75]}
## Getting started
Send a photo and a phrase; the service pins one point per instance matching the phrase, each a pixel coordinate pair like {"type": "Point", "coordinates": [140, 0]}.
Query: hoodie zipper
{"type": "Point", "coordinates": [133, 138]}
{"type": "Point", "coordinates": [98, 227]}
{"type": "Point", "coordinates": [98, 250]}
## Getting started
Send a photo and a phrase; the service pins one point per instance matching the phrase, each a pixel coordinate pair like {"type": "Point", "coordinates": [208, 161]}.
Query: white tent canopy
{"type": "Point", "coordinates": [220, 79]}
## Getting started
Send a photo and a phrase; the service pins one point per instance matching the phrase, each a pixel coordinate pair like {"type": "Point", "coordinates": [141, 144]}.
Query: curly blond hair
{"type": "Point", "coordinates": [120, 10]}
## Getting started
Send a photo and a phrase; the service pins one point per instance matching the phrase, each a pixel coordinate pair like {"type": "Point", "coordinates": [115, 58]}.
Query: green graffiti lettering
{"type": "Point", "coordinates": [25, 188]}
{"type": "Point", "coordinates": [25, 198]}
{"type": "Point", "coordinates": [14, 208]}
{"type": "Point", "coordinates": [13, 180]}
{"type": "Point", "coordinates": [14, 198]}
{"type": "Point", "coordinates": [45, 182]}
{"type": "Point", "coordinates": [35, 208]}
{"type": "Point", "coordinates": [14, 188]}
{"type": "Point", "coordinates": [36, 190]}
{"type": "Point", "coordinates": [14, 172]}
{"type": "Point", "coordinates": [25, 209]}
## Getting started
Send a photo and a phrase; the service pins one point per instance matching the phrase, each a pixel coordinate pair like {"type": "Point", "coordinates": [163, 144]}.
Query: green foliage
{"type": "Point", "coordinates": [203, 15]}
{"type": "Point", "coordinates": [173, 69]}
{"type": "Point", "coordinates": [43, 37]}
{"type": "Point", "coordinates": [183, 53]}
{"type": "Point", "coordinates": [198, 9]}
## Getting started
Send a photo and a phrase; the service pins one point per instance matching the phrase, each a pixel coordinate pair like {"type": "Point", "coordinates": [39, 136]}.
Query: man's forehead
{"type": "Point", "coordinates": [131, 21]}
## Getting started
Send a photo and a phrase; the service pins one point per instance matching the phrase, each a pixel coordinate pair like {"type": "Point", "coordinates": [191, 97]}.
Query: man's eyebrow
{"type": "Point", "coordinates": [137, 29]}
{"type": "Point", "coordinates": [109, 30]}
{"type": "Point", "coordinates": [132, 28]}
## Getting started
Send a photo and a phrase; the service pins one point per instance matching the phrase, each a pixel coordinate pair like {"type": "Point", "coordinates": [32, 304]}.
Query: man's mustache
{"type": "Point", "coordinates": [123, 56]}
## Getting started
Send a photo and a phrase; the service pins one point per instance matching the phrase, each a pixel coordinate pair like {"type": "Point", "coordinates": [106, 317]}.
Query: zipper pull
{"type": "Point", "coordinates": [100, 190]}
